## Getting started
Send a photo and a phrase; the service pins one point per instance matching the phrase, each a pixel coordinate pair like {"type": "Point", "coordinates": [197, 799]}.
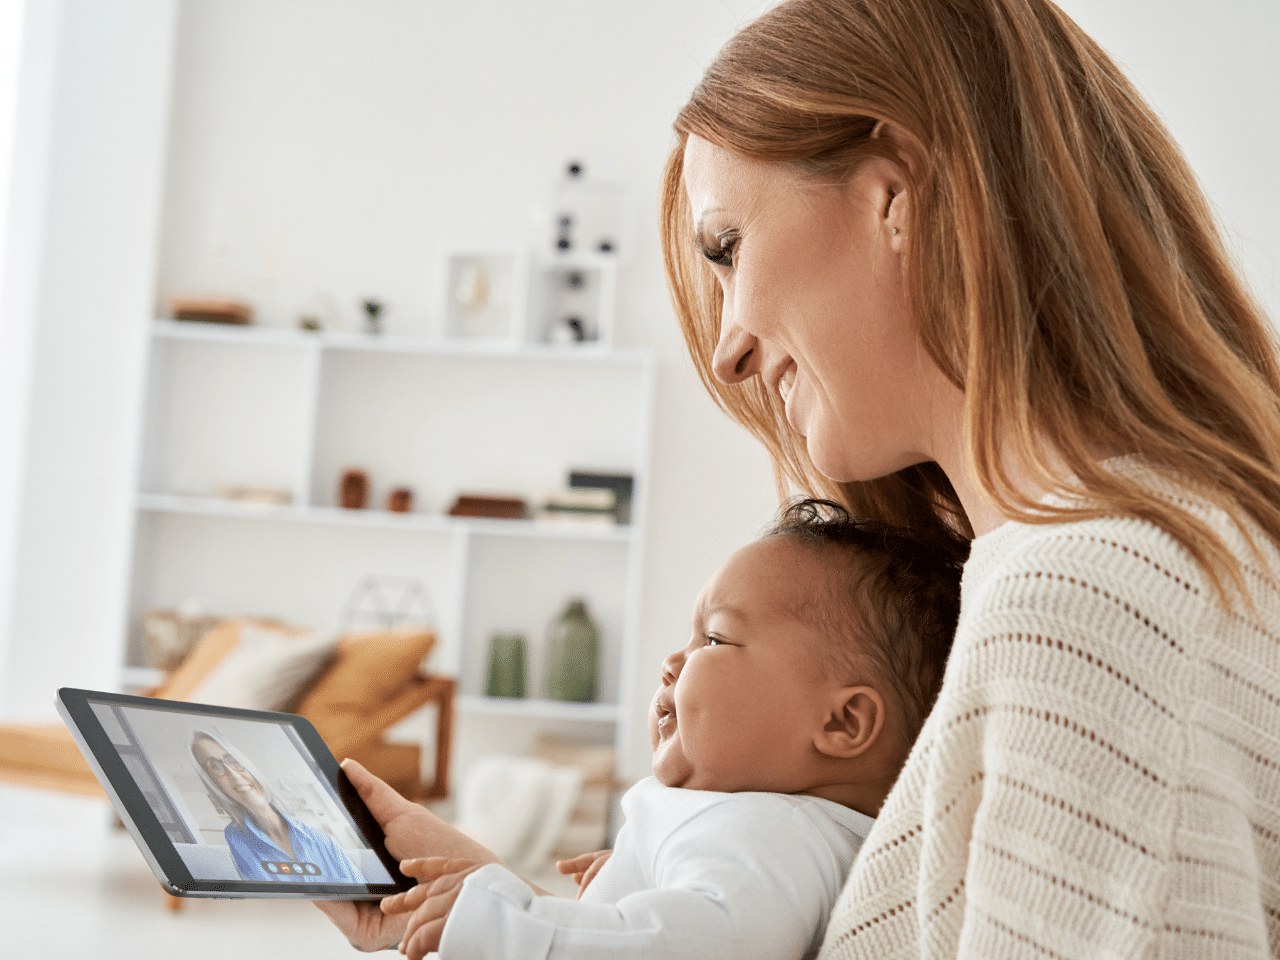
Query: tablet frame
{"type": "Point", "coordinates": [75, 707]}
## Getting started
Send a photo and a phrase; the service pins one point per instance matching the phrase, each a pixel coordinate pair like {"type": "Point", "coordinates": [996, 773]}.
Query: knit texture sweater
{"type": "Point", "coordinates": [1100, 776]}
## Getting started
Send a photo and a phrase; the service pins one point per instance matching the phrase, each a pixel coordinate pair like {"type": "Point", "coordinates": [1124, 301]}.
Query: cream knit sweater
{"type": "Point", "coordinates": [1100, 776]}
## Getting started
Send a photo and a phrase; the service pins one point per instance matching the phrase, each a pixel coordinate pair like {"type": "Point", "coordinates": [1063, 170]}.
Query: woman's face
{"type": "Point", "coordinates": [228, 773]}
{"type": "Point", "coordinates": [814, 304]}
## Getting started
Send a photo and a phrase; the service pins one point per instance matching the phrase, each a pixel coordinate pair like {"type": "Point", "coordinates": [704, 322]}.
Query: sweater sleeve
{"type": "Point", "coordinates": [1037, 814]}
{"type": "Point", "coordinates": [722, 893]}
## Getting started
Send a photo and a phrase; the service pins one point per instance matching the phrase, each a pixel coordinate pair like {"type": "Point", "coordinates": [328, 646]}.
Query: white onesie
{"type": "Point", "coordinates": [694, 874]}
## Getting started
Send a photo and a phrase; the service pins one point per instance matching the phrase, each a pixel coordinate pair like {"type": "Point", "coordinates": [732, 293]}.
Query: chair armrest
{"type": "Point", "coordinates": [348, 733]}
{"type": "Point", "coordinates": [46, 756]}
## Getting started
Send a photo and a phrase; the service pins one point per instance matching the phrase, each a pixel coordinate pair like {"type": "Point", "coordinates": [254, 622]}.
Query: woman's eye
{"type": "Point", "coordinates": [714, 642]}
{"type": "Point", "coordinates": [721, 256]}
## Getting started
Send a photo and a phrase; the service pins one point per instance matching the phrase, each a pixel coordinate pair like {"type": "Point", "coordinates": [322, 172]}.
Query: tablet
{"type": "Point", "coordinates": [232, 803]}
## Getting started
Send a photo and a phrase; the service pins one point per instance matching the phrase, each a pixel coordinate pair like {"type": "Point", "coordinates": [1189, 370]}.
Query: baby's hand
{"type": "Point", "coordinates": [584, 868]}
{"type": "Point", "coordinates": [439, 883]}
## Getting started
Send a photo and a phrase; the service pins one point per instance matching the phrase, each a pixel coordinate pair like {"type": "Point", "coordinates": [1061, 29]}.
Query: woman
{"type": "Point", "coordinates": [947, 265]}
{"type": "Point", "coordinates": [265, 843]}
{"type": "Point", "coordinates": [940, 257]}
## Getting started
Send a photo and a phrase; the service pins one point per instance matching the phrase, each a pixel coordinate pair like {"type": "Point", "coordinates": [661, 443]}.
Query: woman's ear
{"type": "Point", "coordinates": [854, 720]}
{"type": "Point", "coordinates": [892, 184]}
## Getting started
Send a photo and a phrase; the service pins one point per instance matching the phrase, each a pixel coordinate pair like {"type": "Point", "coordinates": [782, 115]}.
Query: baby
{"type": "Point", "coordinates": [777, 731]}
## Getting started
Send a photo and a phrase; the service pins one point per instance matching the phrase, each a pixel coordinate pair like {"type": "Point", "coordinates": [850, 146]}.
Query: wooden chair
{"type": "Point", "coordinates": [373, 683]}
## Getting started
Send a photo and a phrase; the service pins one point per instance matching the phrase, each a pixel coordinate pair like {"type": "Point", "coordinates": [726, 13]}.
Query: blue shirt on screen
{"type": "Point", "coordinates": [257, 858]}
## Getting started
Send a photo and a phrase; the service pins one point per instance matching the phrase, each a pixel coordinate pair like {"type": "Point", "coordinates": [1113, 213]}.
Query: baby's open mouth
{"type": "Point", "coordinates": [666, 720]}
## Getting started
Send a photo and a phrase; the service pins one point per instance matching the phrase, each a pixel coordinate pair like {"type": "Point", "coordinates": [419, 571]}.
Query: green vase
{"type": "Point", "coordinates": [573, 655]}
{"type": "Point", "coordinates": [506, 677]}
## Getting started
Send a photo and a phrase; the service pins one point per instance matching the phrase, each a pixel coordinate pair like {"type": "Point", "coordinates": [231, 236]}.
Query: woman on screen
{"type": "Point", "coordinates": [265, 843]}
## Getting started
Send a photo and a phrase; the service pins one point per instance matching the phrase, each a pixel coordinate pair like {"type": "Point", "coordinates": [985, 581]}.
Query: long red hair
{"type": "Point", "coordinates": [1064, 270]}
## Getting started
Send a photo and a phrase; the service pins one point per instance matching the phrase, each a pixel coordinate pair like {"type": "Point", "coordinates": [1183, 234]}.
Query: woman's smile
{"type": "Point", "coordinates": [787, 382]}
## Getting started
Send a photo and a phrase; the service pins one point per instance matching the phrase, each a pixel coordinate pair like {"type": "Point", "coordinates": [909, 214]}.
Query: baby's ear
{"type": "Point", "coordinates": [854, 720]}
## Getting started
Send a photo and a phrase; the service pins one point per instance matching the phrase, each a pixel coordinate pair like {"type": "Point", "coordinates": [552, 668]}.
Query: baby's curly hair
{"type": "Point", "coordinates": [893, 605]}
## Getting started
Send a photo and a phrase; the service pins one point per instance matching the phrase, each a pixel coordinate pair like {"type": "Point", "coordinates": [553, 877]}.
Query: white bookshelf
{"type": "Point", "coordinates": [291, 410]}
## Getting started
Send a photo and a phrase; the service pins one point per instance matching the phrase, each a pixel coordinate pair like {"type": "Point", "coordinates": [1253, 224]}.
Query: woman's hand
{"type": "Point", "coordinates": [365, 926]}
{"type": "Point", "coordinates": [584, 867]}
{"type": "Point", "coordinates": [412, 832]}
{"type": "Point", "coordinates": [439, 883]}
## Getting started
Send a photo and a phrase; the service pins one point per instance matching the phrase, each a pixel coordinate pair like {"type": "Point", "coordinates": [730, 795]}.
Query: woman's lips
{"type": "Point", "coordinates": [790, 400]}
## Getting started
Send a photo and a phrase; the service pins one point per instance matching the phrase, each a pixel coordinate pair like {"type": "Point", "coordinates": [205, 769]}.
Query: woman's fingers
{"type": "Point", "coordinates": [416, 832]}
{"type": "Point", "coordinates": [381, 799]}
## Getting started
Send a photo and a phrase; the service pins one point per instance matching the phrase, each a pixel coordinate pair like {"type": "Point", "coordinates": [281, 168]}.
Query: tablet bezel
{"type": "Point", "coordinates": [75, 707]}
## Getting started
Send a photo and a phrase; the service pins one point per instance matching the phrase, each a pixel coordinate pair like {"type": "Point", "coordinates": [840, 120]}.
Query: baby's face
{"type": "Point", "coordinates": [739, 706]}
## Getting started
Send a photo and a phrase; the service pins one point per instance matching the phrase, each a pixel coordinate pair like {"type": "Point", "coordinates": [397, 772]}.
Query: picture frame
{"type": "Point", "coordinates": [483, 294]}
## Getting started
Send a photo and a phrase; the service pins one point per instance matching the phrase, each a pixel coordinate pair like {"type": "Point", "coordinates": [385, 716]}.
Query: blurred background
{"type": "Point", "coordinates": [461, 404]}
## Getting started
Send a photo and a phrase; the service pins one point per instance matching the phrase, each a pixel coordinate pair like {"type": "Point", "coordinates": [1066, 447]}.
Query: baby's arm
{"type": "Point", "coordinates": [439, 883]}
{"type": "Point", "coordinates": [584, 867]}
{"type": "Point", "coordinates": [747, 883]}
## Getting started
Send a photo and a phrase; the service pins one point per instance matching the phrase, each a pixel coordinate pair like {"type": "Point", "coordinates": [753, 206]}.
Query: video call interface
{"type": "Point", "coordinates": [208, 779]}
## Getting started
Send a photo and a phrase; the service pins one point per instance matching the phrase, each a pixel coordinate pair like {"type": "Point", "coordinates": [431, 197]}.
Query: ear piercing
{"type": "Point", "coordinates": [894, 231]}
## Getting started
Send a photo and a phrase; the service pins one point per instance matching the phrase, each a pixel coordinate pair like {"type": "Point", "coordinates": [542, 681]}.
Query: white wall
{"type": "Point", "coordinates": [333, 146]}
{"type": "Point", "coordinates": [324, 150]}
{"type": "Point", "coordinates": [16, 325]}
{"type": "Point", "coordinates": [79, 281]}
{"type": "Point", "coordinates": [1211, 71]}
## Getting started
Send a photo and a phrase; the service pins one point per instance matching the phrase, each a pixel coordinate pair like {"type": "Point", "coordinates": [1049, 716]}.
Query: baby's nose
{"type": "Point", "coordinates": [671, 668]}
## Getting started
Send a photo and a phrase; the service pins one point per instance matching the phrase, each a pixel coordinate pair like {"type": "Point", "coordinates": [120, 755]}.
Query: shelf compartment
{"type": "Point", "coordinates": [479, 424]}
{"type": "Point", "coordinates": [522, 586]}
{"type": "Point", "coordinates": [298, 572]}
{"type": "Point", "coordinates": [382, 519]}
{"type": "Point", "coordinates": [224, 412]}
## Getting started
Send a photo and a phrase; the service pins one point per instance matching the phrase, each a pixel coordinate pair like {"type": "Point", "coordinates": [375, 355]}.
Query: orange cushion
{"type": "Point", "coordinates": [371, 670]}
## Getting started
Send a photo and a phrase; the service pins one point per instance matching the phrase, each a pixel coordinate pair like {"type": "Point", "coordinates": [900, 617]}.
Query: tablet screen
{"type": "Point", "coordinates": [240, 799]}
